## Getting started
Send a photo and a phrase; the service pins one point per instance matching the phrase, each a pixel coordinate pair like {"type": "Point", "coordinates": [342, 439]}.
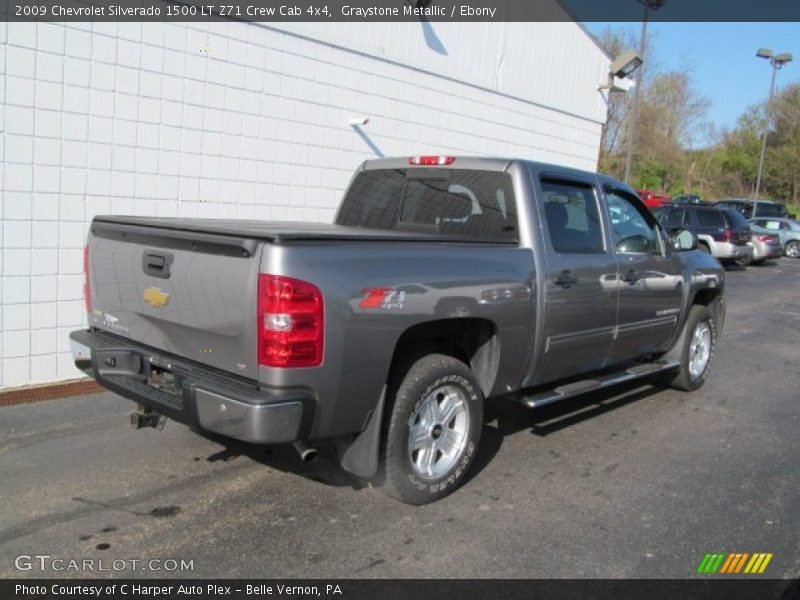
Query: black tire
{"type": "Point", "coordinates": [398, 477]}
{"type": "Point", "coordinates": [703, 247]}
{"type": "Point", "coordinates": [746, 261]}
{"type": "Point", "coordinates": [682, 379]}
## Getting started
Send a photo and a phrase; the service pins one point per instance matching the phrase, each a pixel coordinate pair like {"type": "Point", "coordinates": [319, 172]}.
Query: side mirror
{"type": "Point", "coordinates": [634, 244]}
{"type": "Point", "coordinates": [683, 239]}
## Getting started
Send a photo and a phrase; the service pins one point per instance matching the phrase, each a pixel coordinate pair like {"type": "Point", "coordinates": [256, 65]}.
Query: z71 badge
{"type": "Point", "coordinates": [385, 298]}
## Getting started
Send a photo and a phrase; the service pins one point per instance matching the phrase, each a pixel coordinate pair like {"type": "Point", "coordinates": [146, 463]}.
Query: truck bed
{"type": "Point", "coordinates": [276, 232]}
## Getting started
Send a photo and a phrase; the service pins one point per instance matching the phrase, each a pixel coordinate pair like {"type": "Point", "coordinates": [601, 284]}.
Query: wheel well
{"type": "Point", "coordinates": [706, 296]}
{"type": "Point", "coordinates": [471, 340]}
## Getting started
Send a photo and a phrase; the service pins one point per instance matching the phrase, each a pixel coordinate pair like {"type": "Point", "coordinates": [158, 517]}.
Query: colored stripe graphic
{"type": "Point", "coordinates": [728, 563]}
{"type": "Point", "coordinates": [703, 563]}
{"type": "Point", "coordinates": [764, 564]}
{"type": "Point", "coordinates": [711, 563]}
{"type": "Point", "coordinates": [733, 563]}
{"type": "Point", "coordinates": [741, 563]}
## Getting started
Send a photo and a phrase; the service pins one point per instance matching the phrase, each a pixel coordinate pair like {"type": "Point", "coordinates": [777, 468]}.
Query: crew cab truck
{"type": "Point", "coordinates": [443, 281]}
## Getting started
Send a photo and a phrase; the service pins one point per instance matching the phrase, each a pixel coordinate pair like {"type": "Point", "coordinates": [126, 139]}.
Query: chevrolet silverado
{"type": "Point", "coordinates": [443, 282]}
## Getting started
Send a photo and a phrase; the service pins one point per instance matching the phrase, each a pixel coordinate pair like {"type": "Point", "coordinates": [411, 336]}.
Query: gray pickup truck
{"type": "Point", "coordinates": [444, 281]}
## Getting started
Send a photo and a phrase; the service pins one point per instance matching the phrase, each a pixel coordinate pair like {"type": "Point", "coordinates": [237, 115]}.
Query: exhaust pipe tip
{"type": "Point", "coordinates": [306, 452]}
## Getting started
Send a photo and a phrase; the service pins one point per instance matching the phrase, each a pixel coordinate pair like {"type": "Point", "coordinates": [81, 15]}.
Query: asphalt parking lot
{"type": "Point", "coordinates": [640, 482]}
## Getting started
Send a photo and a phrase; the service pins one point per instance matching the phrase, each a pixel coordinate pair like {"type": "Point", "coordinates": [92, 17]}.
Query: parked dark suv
{"type": "Point", "coordinates": [687, 199]}
{"type": "Point", "coordinates": [765, 208]}
{"type": "Point", "coordinates": [721, 232]}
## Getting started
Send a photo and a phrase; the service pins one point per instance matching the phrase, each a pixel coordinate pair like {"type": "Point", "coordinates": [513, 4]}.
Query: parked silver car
{"type": "Point", "coordinates": [788, 230]}
{"type": "Point", "coordinates": [765, 243]}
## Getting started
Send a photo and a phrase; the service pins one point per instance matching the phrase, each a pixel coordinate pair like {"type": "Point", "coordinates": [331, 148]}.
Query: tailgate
{"type": "Point", "coordinates": [189, 294]}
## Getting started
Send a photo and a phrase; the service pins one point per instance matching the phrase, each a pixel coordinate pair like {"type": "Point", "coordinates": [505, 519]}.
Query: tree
{"type": "Point", "coordinates": [672, 121]}
{"type": "Point", "coordinates": [782, 170]}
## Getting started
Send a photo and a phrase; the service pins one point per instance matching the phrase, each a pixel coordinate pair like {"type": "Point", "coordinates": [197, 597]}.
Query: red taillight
{"type": "Point", "coordinates": [769, 239]}
{"type": "Point", "coordinates": [290, 322]}
{"type": "Point", "coordinates": [727, 235]}
{"type": "Point", "coordinates": [87, 291]}
{"type": "Point", "coordinates": [431, 160]}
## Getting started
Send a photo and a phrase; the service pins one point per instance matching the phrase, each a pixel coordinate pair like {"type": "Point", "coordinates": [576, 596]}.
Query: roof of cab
{"type": "Point", "coordinates": [461, 162]}
{"type": "Point", "coordinates": [494, 164]}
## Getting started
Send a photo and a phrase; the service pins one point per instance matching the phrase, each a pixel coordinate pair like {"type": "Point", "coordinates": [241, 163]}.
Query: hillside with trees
{"type": "Point", "coordinates": [677, 150]}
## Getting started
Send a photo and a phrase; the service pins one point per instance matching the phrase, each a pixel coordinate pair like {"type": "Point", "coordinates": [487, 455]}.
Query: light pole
{"type": "Point", "coordinates": [654, 5]}
{"type": "Point", "coordinates": [776, 61]}
{"type": "Point", "coordinates": [622, 68]}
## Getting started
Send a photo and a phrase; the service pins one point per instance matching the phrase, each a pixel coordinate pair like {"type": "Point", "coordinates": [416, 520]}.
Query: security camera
{"type": "Point", "coordinates": [359, 121]}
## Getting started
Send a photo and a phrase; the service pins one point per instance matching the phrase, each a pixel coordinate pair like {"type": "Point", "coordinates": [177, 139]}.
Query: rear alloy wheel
{"type": "Point", "coordinates": [433, 430]}
{"type": "Point", "coordinates": [792, 249]}
{"type": "Point", "coordinates": [699, 342]}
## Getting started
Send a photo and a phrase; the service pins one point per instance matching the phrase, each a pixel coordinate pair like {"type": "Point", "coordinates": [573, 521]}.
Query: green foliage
{"type": "Point", "coordinates": [672, 119]}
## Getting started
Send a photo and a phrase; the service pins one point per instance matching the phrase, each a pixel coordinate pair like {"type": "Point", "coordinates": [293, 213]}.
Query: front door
{"type": "Point", "coordinates": [650, 279]}
{"type": "Point", "coordinates": [581, 290]}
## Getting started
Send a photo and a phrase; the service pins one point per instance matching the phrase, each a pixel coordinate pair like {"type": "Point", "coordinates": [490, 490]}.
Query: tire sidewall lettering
{"type": "Point", "coordinates": [460, 468]}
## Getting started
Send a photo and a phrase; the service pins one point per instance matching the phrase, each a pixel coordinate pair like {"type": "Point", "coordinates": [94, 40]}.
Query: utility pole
{"type": "Point", "coordinates": [648, 4]}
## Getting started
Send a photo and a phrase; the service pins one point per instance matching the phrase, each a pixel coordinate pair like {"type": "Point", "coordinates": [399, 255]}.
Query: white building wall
{"type": "Point", "coordinates": [247, 121]}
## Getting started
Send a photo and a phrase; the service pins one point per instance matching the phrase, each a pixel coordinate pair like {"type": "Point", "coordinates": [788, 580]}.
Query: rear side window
{"type": "Point", "coordinates": [711, 218]}
{"type": "Point", "coordinates": [736, 219]}
{"type": "Point", "coordinates": [475, 204]}
{"type": "Point", "coordinates": [677, 217]}
{"type": "Point", "coordinates": [770, 210]}
{"type": "Point", "coordinates": [572, 218]}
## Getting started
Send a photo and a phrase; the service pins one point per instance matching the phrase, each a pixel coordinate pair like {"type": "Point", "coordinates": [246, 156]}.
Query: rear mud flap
{"type": "Point", "coordinates": [361, 457]}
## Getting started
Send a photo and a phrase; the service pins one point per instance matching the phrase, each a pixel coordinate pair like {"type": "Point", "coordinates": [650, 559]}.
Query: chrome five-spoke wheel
{"type": "Point", "coordinates": [438, 432]}
{"type": "Point", "coordinates": [700, 349]}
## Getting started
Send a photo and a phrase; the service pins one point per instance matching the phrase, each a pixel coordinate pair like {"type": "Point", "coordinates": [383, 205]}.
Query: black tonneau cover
{"type": "Point", "coordinates": [276, 232]}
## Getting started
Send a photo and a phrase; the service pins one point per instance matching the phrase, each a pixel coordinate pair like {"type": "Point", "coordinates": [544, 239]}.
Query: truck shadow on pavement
{"type": "Point", "coordinates": [502, 418]}
{"type": "Point", "coordinates": [325, 469]}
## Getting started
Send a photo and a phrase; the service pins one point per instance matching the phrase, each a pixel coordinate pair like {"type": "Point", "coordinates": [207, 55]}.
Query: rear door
{"type": "Point", "coordinates": [192, 295]}
{"type": "Point", "coordinates": [650, 277]}
{"type": "Point", "coordinates": [581, 294]}
{"type": "Point", "coordinates": [675, 218]}
{"type": "Point", "coordinates": [710, 224]}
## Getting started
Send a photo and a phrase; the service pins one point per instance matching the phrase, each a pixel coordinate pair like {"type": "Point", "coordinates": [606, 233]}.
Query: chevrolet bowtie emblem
{"type": "Point", "coordinates": [155, 297]}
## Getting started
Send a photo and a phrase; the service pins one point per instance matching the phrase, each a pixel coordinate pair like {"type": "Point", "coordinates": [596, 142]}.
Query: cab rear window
{"type": "Point", "coordinates": [451, 202]}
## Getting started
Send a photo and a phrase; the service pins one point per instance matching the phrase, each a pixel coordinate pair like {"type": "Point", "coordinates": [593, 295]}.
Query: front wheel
{"type": "Point", "coordinates": [697, 352]}
{"type": "Point", "coordinates": [433, 430]}
{"type": "Point", "coordinates": [792, 249]}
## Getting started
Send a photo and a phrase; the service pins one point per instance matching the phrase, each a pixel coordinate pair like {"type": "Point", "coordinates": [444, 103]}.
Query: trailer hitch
{"type": "Point", "coordinates": [147, 417]}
